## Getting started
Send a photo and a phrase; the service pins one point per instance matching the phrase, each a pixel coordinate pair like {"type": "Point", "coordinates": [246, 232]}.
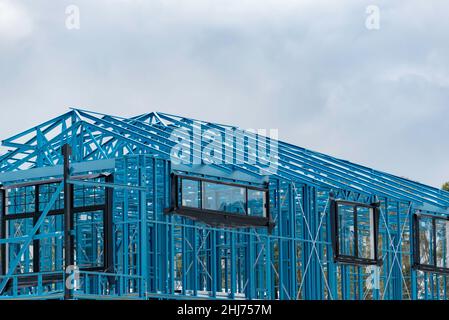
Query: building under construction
{"type": "Point", "coordinates": [96, 206]}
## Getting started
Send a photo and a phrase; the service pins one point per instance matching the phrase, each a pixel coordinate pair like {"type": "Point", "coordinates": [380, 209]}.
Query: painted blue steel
{"type": "Point", "coordinates": [172, 257]}
{"type": "Point", "coordinates": [29, 238]}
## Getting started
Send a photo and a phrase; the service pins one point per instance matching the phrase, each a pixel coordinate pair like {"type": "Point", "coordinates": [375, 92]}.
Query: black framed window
{"type": "Point", "coordinates": [220, 203]}
{"type": "Point", "coordinates": [21, 207]}
{"type": "Point", "coordinates": [431, 243]}
{"type": "Point", "coordinates": [355, 232]}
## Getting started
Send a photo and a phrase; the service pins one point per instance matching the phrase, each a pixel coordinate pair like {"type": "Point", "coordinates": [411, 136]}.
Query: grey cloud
{"type": "Point", "coordinates": [309, 68]}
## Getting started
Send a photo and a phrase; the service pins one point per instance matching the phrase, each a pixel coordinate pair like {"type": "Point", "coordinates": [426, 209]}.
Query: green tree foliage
{"type": "Point", "coordinates": [445, 186]}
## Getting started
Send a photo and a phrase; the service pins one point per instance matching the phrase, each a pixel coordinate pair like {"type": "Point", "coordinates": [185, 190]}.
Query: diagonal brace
{"type": "Point", "coordinates": [29, 237]}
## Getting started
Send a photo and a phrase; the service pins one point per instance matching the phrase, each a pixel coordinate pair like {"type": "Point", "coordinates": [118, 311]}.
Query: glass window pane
{"type": "Point", "coordinates": [89, 237]}
{"type": "Point", "coordinates": [426, 240]}
{"type": "Point", "coordinates": [20, 200]}
{"type": "Point", "coordinates": [346, 229]}
{"type": "Point", "coordinates": [222, 197]}
{"type": "Point", "coordinates": [46, 192]}
{"type": "Point", "coordinates": [256, 203]}
{"type": "Point", "coordinates": [89, 195]}
{"type": "Point", "coordinates": [190, 193]}
{"type": "Point", "coordinates": [51, 248]}
{"type": "Point", "coordinates": [17, 228]}
{"type": "Point", "coordinates": [1, 202]}
{"type": "Point", "coordinates": [365, 230]}
{"type": "Point", "coordinates": [442, 233]}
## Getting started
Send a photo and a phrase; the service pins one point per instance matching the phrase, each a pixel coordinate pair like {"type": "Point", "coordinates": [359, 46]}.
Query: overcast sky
{"type": "Point", "coordinates": [310, 68]}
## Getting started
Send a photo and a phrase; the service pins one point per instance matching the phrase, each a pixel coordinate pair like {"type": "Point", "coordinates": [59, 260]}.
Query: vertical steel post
{"type": "Point", "coordinates": [143, 230]}
{"type": "Point", "coordinates": [3, 269]}
{"type": "Point", "coordinates": [68, 222]}
{"type": "Point", "coordinates": [414, 254]}
{"type": "Point", "coordinates": [292, 248]}
{"type": "Point", "coordinates": [36, 243]}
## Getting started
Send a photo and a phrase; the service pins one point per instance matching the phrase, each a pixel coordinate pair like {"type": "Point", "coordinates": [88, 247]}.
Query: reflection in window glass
{"type": "Point", "coordinates": [256, 203]}
{"type": "Point", "coordinates": [89, 195]}
{"type": "Point", "coordinates": [365, 228]}
{"type": "Point", "coordinates": [222, 197]}
{"type": "Point", "coordinates": [20, 200]}
{"type": "Point", "coordinates": [442, 243]}
{"type": "Point", "coordinates": [426, 240]}
{"type": "Point", "coordinates": [190, 193]}
{"type": "Point", "coordinates": [51, 249]}
{"type": "Point", "coordinates": [18, 228]}
{"type": "Point", "coordinates": [46, 192]}
{"type": "Point", "coordinates": [346, 229]}
{"type": "Point", "coordinates": [89, 237]}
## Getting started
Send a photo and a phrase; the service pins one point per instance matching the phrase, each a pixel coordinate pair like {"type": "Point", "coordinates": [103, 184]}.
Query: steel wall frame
{"type": "Point", "coordinates": [173, 257]}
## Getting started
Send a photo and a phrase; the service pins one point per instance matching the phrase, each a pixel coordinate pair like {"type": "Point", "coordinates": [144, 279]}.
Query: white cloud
{"type": "Point", "coordinates": [15, 22]}
{"type": "Point", "coordinates": [309, 68]}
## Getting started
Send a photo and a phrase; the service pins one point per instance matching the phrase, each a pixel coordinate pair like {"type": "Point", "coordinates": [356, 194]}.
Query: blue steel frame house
{"type": "Point", "coordinates": [94, 206]}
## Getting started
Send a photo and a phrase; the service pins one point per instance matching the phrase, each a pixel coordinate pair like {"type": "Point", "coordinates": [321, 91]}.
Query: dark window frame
{"type": "Point", "coordinates": [417, 265]}
{"type": "Point", "coordinates": [216, 217]}
{"type": "Point", "coordinates": [335, 237]}
{"type": "Point", "coordinates": [29, 278]}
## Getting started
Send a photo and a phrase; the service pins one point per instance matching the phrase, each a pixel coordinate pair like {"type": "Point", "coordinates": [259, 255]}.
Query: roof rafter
{"type": "Point", "coordinates": [99, 136]}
